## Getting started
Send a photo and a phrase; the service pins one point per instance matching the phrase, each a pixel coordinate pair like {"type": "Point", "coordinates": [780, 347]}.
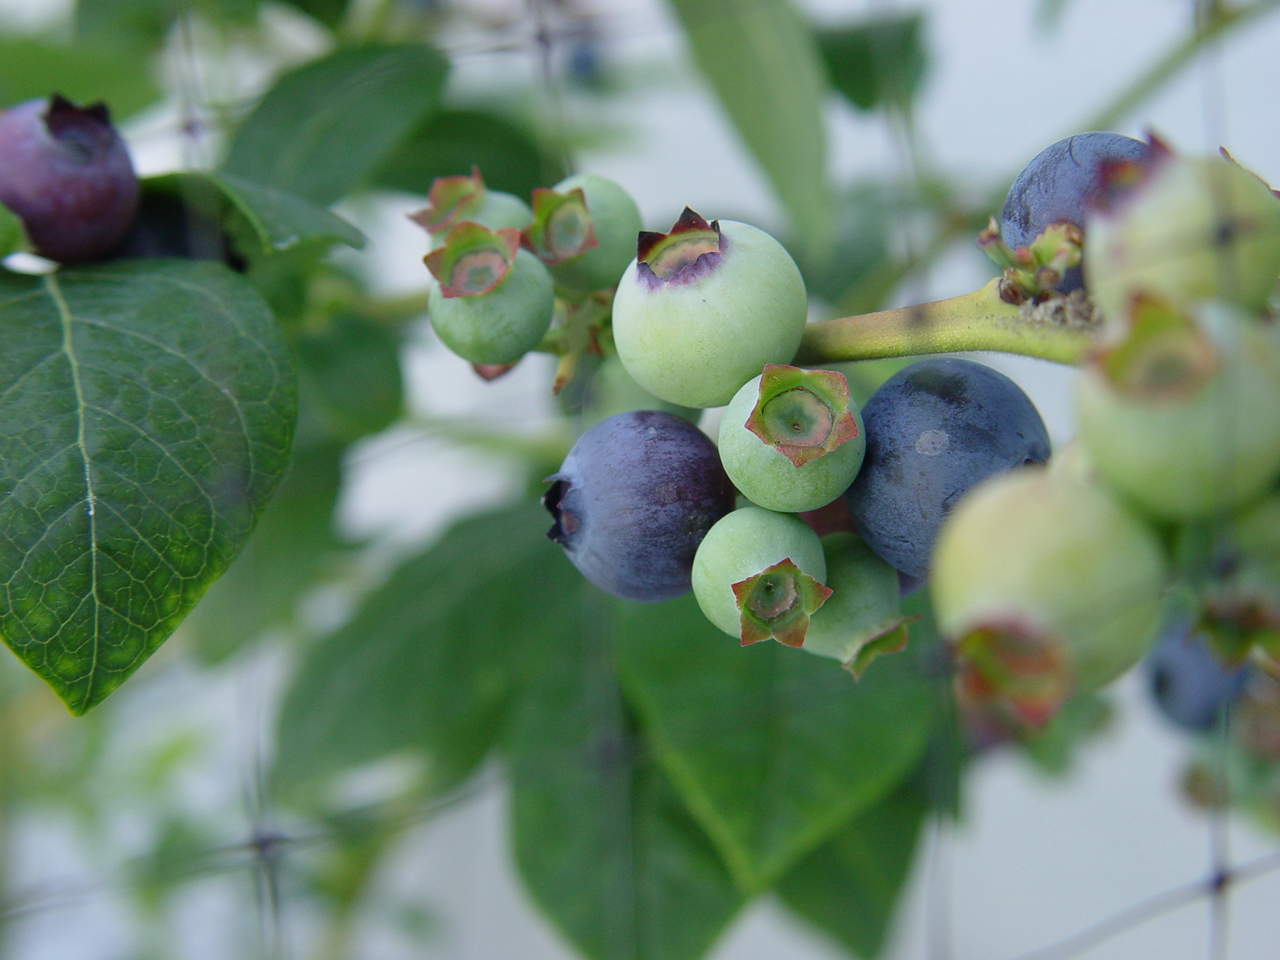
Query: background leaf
{"type": "Point", "coordinates": [262, 220]}
{"type": "Point", "coordinates": [290, 548]}
{"type": "Point", "coordinates": [12, 236]}
{"type": "Point", "coordinates": [600, 838]}
{"type": "Point", "coordinates": [849, 886]}
{"type": "Point", "coordinates": [83, 73]}
{"type": "Point", "coordinates": [451, 141]}
{"type": "Point", "coordinates": [431, 658]}
{"type": "Point", "coordinates": [324, 128]}
{"type": "Point", "coordinates": [772, 749]}
{"type": "Point", "coordinates": [878, 62]}
{"type": "Point", "coordinates": [762, 61]}
{"type": "Point", "coordinates": [149, 407]}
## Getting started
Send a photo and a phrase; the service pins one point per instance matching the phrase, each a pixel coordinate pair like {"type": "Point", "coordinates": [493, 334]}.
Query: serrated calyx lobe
{"type": "Point", "coordinates": [473, 259]}
{"type": "Point", "coordinates": [802, 414]}
{"type": "Point", "coordinates": [777, 603]}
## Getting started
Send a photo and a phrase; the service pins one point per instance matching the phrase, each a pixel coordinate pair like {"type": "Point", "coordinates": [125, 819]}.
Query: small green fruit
{"type": "Point", "coordinates": [792, 439]}
{"type": "Point", "coordinates": [1044, 585]}
{"type": "Point", "coordinates": [492, 302]}
{"type": "Point", "coordinates": [758, 574]}
{"type": "Point", "coordinates": [703, 308]}
{"type": "Point", "coordinates": [1195, 228]}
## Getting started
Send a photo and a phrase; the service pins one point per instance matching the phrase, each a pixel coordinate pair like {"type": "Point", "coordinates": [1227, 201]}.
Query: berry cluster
{"type": "Point", "coordinates": [1048, 576]}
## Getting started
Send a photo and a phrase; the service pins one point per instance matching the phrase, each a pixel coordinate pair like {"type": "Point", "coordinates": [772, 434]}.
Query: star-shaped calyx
{"type": "Point", "coordinates": [802, 414]}
{"type": "Point", "coordinates": [690, 250]}
{"type": "Point", "coordinates": [1013, 673]}
{"type": "Point", "coordinates": [450, 201]}
{"type": "Point", "coordinates": [777, 603]}
{"type": "Point", "coordinates": [1155, 353]}
{"type": "Point", "coordinates": [473, 259]}
{"type": "Point", "coordinates": [561, 226]}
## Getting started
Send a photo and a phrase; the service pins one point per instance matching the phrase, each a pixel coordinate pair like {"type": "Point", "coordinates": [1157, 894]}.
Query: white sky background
{"type": "Point", "coordinates": [1034, 860]}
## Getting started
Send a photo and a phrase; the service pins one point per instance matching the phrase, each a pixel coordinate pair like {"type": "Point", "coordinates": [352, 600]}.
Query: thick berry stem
{"type": "Point", "coordinates": [1055, 330]}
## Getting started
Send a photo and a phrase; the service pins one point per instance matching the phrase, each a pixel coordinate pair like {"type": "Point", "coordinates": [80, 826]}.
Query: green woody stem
{"type": "Point", "coordinates": [1056, 330]}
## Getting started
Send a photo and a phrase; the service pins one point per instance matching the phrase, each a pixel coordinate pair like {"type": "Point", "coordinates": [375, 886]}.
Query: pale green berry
{"type": "Point", "coordinates": [703, 308]}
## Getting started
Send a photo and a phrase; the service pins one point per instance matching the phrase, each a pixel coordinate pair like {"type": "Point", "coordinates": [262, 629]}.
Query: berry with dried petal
{"type": "Point", "coordinates": [703, 308]}
{"type": "Point", "coordinates": [759, 574]}
{"type": "Point", "coordinates": [67, 174]}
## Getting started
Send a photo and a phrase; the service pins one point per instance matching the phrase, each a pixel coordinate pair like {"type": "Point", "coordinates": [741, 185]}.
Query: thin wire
{"type": "Point", "coordinates": [1152, 908]}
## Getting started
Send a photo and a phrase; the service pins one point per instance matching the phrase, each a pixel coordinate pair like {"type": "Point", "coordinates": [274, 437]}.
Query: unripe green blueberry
{"type": "Point", "coordinates": [759, 574]}
{"type": "Point", "coordinates": [493, 301]}
{"type": "Point", "coordinates": [792, 439]}
{"type": "Point", "coordinates": [452, 200]}
{"type": "Point", "coordinates": [1044, 585]}
{"type": "Point", "coordinates": [1195, 228]}
{"type": "Point", "coordinates": [584, 230]}
{"type": "Point", "coordinates": [703, 308]}
{"type": "Point", "coordinates": [863, 615]}
{"type": "Point", "coordinates": [1183, 416]}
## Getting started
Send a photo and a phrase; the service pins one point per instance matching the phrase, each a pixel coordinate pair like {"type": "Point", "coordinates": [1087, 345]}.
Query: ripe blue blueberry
{"type": "Point", "coordinates": [935, 429]}
{"type": "Point", "coordinates": [1192, 686]}
{"type": "Point", "coordinates": [1059, 185]}
{"type": "Point", "coordinates": [67, 174]}
{"type": "Point", "coordinates": [633, 500]}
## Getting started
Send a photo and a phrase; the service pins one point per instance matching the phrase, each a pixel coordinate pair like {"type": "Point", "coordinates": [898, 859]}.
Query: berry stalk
{"type": "Point", "coordinates": [1055, 330]}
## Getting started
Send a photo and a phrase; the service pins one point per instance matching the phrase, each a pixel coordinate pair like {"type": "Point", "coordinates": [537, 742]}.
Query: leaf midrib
{"type": "Point", "coordinates": [66, 319]}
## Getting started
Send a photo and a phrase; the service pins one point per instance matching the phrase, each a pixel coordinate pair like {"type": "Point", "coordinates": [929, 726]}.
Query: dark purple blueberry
{"type": "Point", "coordinates": [1060, 184]}
{"type": "Point", "coordinates": [1192, 686]}
{"type": "Point", "coordinates": [67, 174]}
{"type": "Point", "coordinates": [934, 429]}
{"type": "Point", "coordinates": [632, 501]}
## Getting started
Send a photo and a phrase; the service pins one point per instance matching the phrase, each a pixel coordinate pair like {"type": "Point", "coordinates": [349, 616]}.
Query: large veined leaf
{"type": "Point", "coordinates": [600, 837]}
{"type": "Point", "coordinates": [261, 220]}
{"type": "Point", "coordinates": [323, 129]}
{"type": "Point", "coordinates": [772, 749]}
{"type": "Point", "coordinates": [850, 886]}
{"type": "Point", "coordinates": [429, 660]}
{"type": "Point", "coordinates": [146, 412]}
{"type": "Point", "coordinates": [764, 64]}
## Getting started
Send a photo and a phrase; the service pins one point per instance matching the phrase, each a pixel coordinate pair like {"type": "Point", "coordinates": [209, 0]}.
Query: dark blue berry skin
{"type": "Point", "coordinates": [1059, 185]}
{"type": "Point", "coordinates": [632, 501]}
{"type": "Point", "coordinates": [1191, 686]}
{"type": "Point", "coordinates": [934, 429]}
{"type": "Point", "coordinates": [67, 174]}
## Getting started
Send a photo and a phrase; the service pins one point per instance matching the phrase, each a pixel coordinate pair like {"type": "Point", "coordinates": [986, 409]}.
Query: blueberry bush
{"type": "Point", "coordinates": [747, 457]}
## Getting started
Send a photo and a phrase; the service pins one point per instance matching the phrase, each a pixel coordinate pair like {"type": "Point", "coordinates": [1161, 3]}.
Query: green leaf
{"type": "Point", "coordinates": [452, 141]}
{"type": "Point", "coordinates": [430, 659]}
{"type": "Point", "coordinates": [324, 128]}
{"type": "Point", "coordinates": [83, 73]}
{"type": "Point", "coordinates": [763, 62]}
{"type": "Point", "coordinates": [350, 372]}
{"type": "Point", "coordinates": [12, 236]}
{"type": "Point", "coordinates": [149, 408]}
{"type": "Point", "coordinates": [143, 24]}
{"type": "Point", "coordinates": [772, 748]}
{"type": "Point", "coordinates": [288, 553]}
{"type": "Point", "coordinates": [261, 220]}
{"type": "Point", "coordinates": [878, 62]}
{"type": "Point", "coordinates": [849, 887]}
{"type": "Point", "coordinates": [328, 12]}
{"type": "Point", "coordinates": [600, 838]}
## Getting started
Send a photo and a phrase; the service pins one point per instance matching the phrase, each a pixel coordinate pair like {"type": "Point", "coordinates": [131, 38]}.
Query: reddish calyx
{"type": "Point", "coordinates": [561, 226]}
{"type": "Point", "coordinates": [473, 259]}
{"type": "Point", "coordinates": [450, 200]}
{"type": "Point", "coordinates": [777, 603]}
{"type": "Point", "coordinates": [691, 249]}
{"type": "Point", "coordinates": [1012, 672]}
{"type": "Point", "coordinates": [802, 414]}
